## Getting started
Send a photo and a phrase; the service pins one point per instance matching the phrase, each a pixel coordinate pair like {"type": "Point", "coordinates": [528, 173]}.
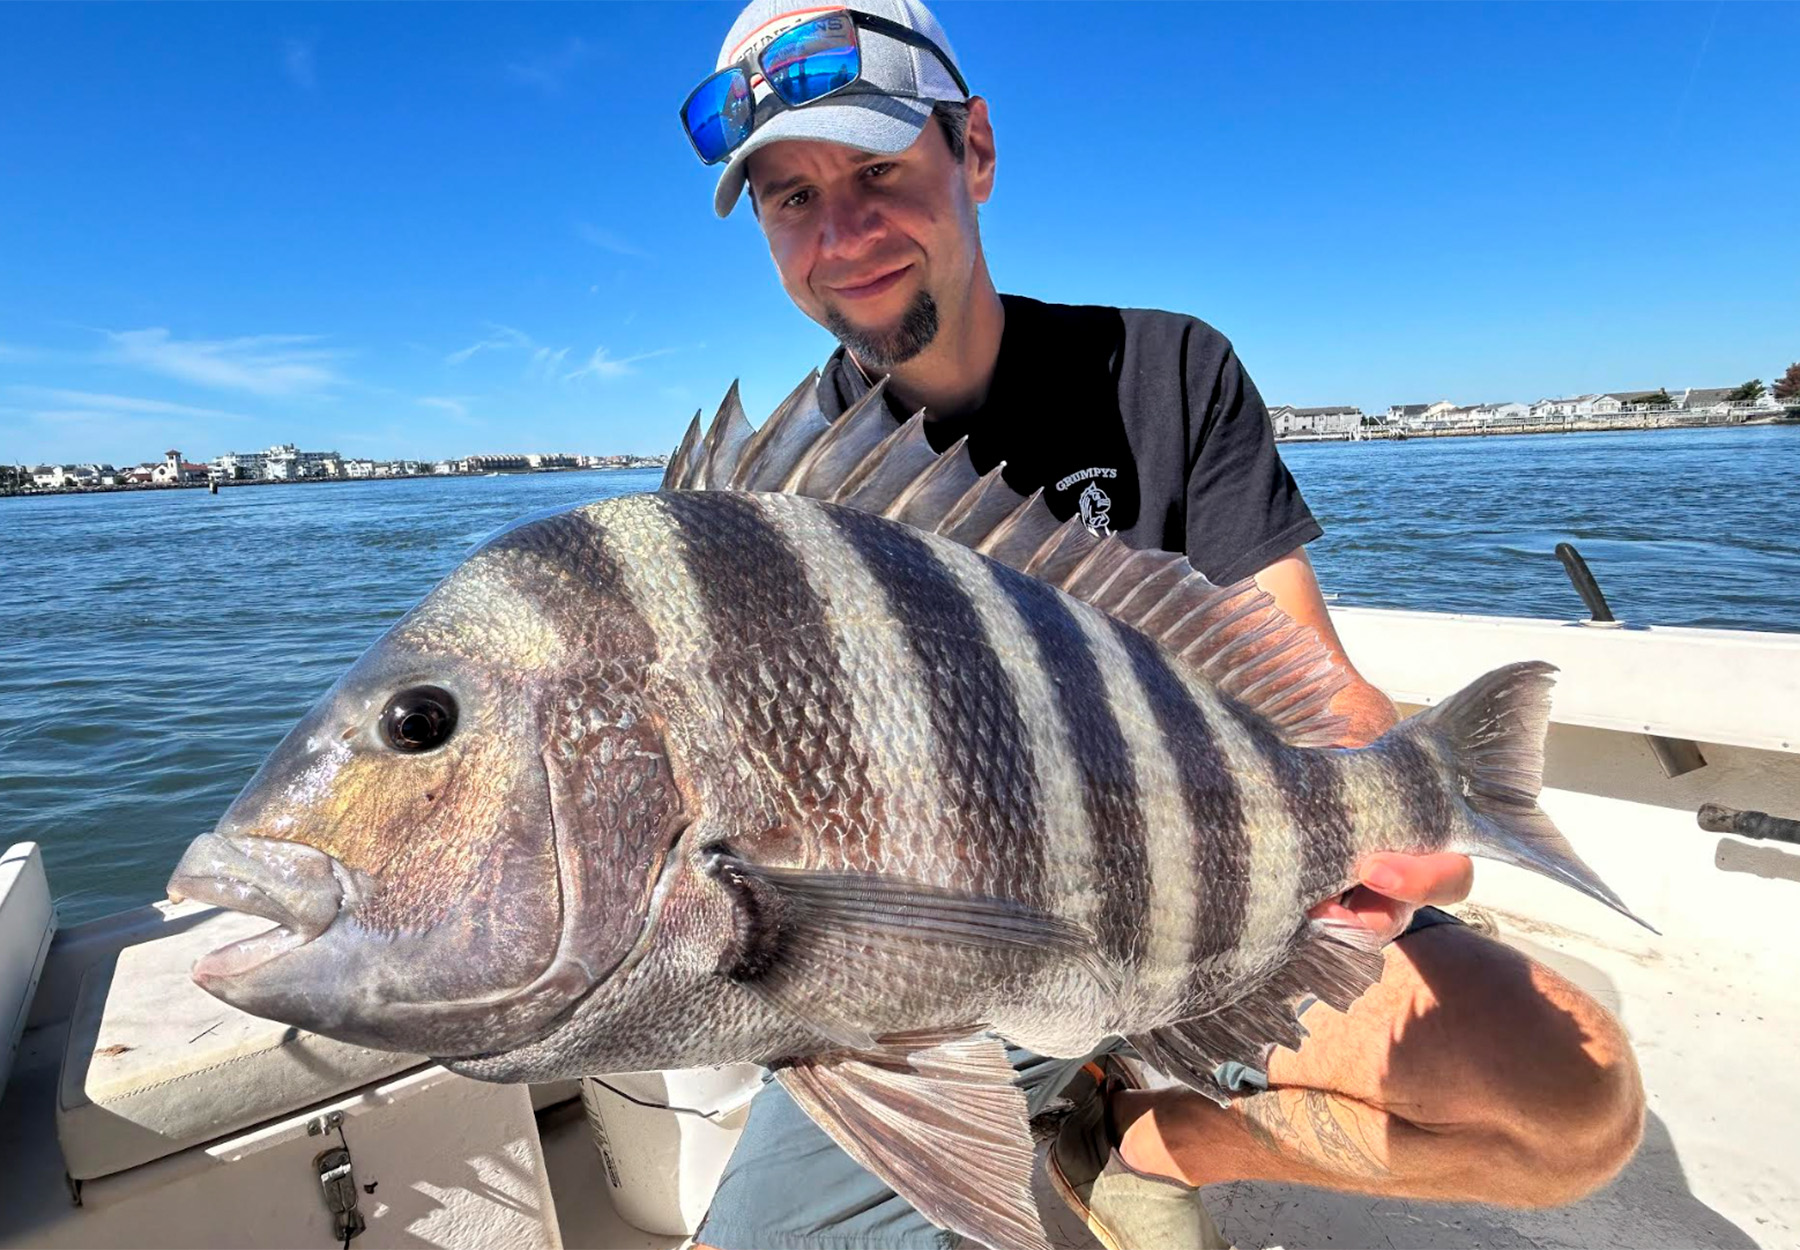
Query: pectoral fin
{"type": "Point", "coordinates": [798, 931]}
{"type": "Point", "coordinates": [945, 1127]}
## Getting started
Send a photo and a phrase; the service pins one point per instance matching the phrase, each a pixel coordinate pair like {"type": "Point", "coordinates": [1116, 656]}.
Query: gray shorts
{"type": "Point", "coordinates": [789, 1187]}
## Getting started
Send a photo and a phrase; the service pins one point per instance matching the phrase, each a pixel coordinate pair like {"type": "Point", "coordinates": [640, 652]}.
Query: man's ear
{"type": "Point", "coordinates": [978, 151]}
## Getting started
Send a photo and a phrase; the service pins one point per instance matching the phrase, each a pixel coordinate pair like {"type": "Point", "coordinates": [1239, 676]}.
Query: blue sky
{"type": "Point", "coordinates": [429, 231]}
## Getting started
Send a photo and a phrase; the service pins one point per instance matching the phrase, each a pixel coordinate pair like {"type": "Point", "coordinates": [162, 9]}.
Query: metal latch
{"type": "Point", "coordinates": [337, 1180]}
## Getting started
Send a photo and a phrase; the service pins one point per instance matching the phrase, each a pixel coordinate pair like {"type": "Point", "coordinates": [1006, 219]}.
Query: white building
{"type": "Point", "coordinates": [1573, 406]}
{"type": "Point", "coordinates": [237, 466]}
{"type": "Point", "coordinates": [174, 470]}
{"type": "Point", "coordinates": [1289, 420]}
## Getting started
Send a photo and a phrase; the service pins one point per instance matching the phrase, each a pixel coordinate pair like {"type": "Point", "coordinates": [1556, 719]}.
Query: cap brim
{"type": "Point", "coordinates": [869, 123]}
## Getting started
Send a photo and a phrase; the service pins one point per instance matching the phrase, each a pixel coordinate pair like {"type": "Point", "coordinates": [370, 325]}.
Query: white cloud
{"type": "Point", "coordinates": [601, 237]}
{"type": "Point", "coordinates": [264, 364]}
{"type": "Point", "coordinates": [602, 364]}
{"type": "Point", "coordinates": [297, 59]}
{"type": "Point", "coordinates": [501, 337]}
{"type": "Point", "coordinates": [69, 405]}
{"type": "Point", "coordinates": [550, 71]}
{"type": "Point", "coordinates": [545, 363]}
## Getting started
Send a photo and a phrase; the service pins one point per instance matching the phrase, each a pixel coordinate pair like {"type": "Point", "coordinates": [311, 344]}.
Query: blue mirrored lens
{"type": "Point", "coordinates": [813, 59]}
{"type": "Point", "coordinates": [718, 114]}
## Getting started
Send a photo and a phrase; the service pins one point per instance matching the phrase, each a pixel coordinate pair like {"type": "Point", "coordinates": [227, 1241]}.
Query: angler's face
{"type": "Point", "coordinates": [861, 236]}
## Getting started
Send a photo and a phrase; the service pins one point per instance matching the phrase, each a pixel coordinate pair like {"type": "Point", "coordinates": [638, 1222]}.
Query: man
{"type": "Point", "coordinates": [1467, 1073]}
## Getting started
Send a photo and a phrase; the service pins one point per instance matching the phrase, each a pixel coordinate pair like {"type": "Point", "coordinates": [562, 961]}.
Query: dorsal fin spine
{"type": "Point", "coordinates": [682, 462]}
{"type": "Point", "coordinates": [1013, 519]}
{"type": "Point", "coordinates": [943, 466]}
{"type": "Point", "coordinates": [872, 462]}
{"type": "Point", "coordinates": [1242, 642]}
{"type": "Point", "coordinates": [725, 441]}
{"type": "Point", "coordinates": [773, 431]}
{"type": "Point", "coordinates": [834, 434]}
{"type": "Point", "coordinates": [972, 499]}
{"type": "Point", "coordinates": [1053, 544]}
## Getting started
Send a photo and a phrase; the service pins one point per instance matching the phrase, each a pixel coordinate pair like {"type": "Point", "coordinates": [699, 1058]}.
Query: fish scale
{"type": "Point", "coordinates": [854, 779]}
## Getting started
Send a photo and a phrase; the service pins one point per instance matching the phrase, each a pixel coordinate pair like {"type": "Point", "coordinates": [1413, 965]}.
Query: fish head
{"type": "Point", "coordinates": [424, 838]}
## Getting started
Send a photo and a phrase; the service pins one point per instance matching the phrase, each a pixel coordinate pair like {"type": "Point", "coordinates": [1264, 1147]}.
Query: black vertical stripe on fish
{"type": "Point", "coordinates": [574, 546]}
{"type": "Point", "coordinates": [1420, 783]}
{"type": "Point", "coordinates": [775, 656]}
{"type": "Point", "coordinates": [1214, 807]}
{"type": "Point", "coordinates": [1109, 785]}
{"type": "Point", "coordinates": [983, 745]}
{"type": "Point", "coordinates": [1311, 785]}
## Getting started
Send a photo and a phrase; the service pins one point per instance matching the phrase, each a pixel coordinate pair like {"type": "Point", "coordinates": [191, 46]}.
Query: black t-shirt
{"type": "Point", "coordinates": [1143, 422]}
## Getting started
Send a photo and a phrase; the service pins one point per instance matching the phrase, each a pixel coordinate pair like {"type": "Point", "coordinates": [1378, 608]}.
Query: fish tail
{"type": "Point", "coordinates": [1491, 735]}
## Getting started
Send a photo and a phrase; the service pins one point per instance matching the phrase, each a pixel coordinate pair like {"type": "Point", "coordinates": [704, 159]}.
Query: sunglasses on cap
{"type": "Point", "coordinates": [802, 65]}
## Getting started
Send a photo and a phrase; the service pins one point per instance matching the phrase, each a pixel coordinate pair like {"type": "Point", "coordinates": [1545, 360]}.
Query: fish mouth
{"type": "Point", "coordinates": [296, 886]}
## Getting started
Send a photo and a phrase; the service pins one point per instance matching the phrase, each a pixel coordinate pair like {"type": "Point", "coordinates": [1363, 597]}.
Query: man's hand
{"type": "Point", "coordinates": [1394, 886]}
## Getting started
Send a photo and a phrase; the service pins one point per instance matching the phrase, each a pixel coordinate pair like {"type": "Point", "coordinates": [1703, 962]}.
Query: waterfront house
{"type": "Point", "coordinates": [1473, 416]}
{"type": "Point", "coordinates": [1573, 406]}
{"type": "Point", "coordinates": [1643, 399]}
{"type": "Point", "coordinates": [1703, 399]}
{"type": "Point", "coordinates": [1339, 420]}
{"type": "Point", "coordinates": [1405, 414]}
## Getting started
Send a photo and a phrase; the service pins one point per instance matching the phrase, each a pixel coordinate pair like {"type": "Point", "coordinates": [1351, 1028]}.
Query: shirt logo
{"type": "Point", "coordinates": [1083, 475]}
{"type": "Point", "coordinates": [1094, 506]}
{"type": "Point", "coordinates": [1094, 502]}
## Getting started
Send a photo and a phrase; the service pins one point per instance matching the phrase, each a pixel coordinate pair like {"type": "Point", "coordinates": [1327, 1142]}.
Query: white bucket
{"type": "Point", "coordinates": [663, 1153]}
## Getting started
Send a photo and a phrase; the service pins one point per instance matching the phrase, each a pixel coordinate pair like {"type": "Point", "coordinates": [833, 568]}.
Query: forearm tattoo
{"type": "Point", "coordinates": [1317, 1128]}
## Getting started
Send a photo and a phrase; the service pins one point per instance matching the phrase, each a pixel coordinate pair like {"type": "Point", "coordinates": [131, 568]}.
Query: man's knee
{"type": "Point", "coordinates": [1568, 1092]}
{"type": "Point", "coordinates": [1543, 1067]}
{"type": "Point", "coordinates": [1591, 1117]}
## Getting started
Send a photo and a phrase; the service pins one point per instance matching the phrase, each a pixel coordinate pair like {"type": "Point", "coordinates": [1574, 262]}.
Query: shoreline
{"type": "Point", "coordinates": [1581, 425]}
{"type": "Point", "coordinates": [148, 487]}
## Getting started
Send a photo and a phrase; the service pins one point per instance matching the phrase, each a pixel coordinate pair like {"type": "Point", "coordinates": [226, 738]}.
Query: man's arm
{"type": "Point", "coordinates": [1291, 583]}
{"type": "Point", "coordinates": [1394, 886]}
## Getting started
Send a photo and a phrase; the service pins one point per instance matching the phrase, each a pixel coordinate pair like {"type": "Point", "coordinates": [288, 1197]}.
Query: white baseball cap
{"type": "Point", "coordinates": [882, 111]}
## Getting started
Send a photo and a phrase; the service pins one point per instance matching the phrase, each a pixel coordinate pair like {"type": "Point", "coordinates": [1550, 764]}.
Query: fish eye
{"type": "Point", "coordinates": [419, 719]}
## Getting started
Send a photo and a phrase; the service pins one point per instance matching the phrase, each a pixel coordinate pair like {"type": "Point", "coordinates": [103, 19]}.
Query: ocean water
{"type": "Point", "coordinates": [155, 646]}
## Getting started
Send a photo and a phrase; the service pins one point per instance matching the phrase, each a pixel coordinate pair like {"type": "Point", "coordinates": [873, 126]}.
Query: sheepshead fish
{"type": "Point", "coordinates": [837, 756]}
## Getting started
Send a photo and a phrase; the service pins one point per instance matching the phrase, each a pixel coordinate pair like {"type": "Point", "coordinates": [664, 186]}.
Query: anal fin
{"type": "Point", "coordinates": [1332, 962]}
{"type": "Point", "coordinates": [944, 1126]}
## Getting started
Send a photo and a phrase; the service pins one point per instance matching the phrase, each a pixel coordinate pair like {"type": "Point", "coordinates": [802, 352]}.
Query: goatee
{"type": "Point", "coordinates": [883, 349]}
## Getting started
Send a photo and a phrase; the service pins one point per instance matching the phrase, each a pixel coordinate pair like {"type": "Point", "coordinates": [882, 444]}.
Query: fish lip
{"type": "Point", "coordinates": [296, 886]}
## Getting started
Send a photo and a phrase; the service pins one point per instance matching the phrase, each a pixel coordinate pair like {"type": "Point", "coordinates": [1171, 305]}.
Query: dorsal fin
{"type": "Point", "coordinates": [725, 442]}
{"type": "Point", "coordinates": [794, 426]}
{"type": "Point", "coordinates": [681, 464]}
{"type": "Point", "coordinates": [1235, 635]}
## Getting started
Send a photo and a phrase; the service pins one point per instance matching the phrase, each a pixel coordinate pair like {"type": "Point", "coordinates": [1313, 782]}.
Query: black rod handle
{"type": "Point", "coordinates": [1720, 819]}
{"type": "Point", "coordinates": [1583, 579]}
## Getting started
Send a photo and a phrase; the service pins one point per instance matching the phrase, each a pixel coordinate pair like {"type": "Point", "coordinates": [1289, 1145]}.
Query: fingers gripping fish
{"type": "Point", "coordinates": [837, 756]}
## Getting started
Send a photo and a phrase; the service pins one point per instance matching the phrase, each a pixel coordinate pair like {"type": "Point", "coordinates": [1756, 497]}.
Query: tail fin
{"type": "Point", "coordinates": [1493, 732]}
